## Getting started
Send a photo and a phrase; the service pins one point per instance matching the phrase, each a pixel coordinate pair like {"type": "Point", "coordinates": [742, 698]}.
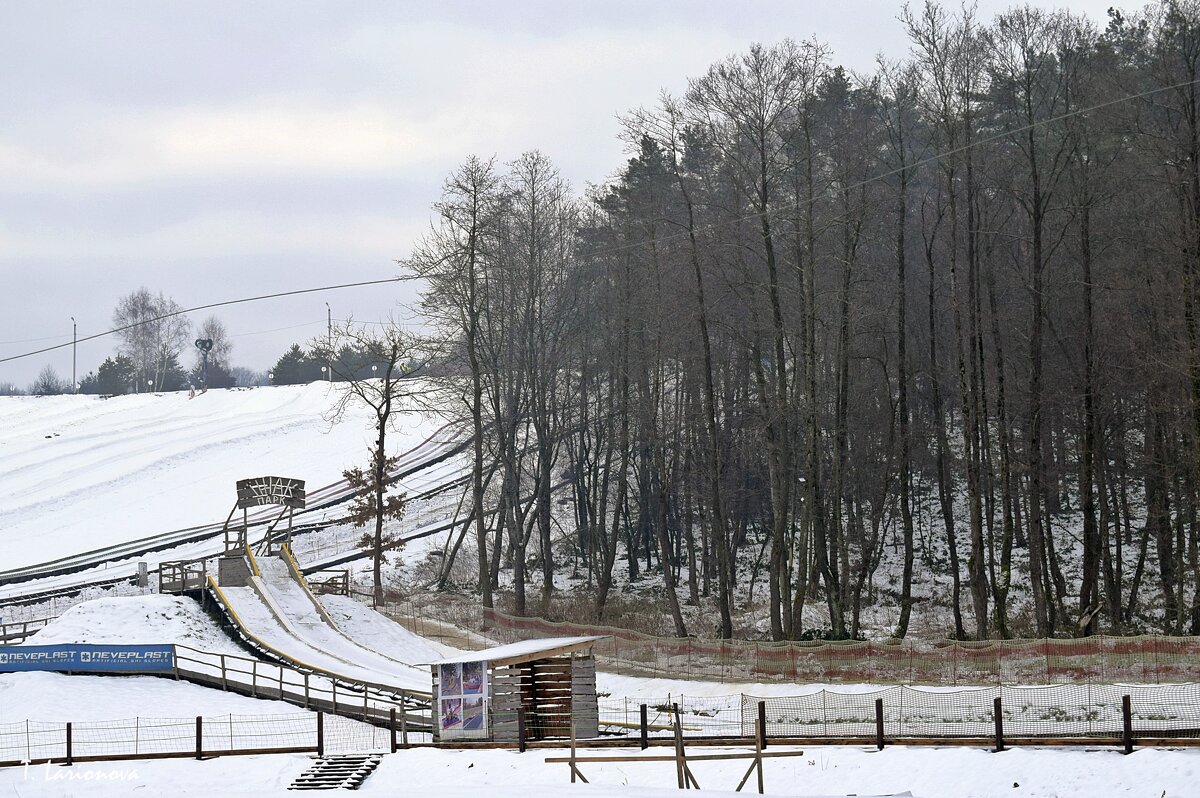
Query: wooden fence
{"type": "Point", "coordinates": [39, 742]}
{"type": "Point", "coordinates": [378, 705]}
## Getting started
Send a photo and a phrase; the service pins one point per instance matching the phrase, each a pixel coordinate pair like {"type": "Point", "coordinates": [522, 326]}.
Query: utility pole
{"type": "Point", "coordinates": [329, 334]}
{"type": "Point", "coordinates": [74, 338]}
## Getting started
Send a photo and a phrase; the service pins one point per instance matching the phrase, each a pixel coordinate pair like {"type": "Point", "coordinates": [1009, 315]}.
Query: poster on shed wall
{"type": "Point", "coordinates": [462, 700]}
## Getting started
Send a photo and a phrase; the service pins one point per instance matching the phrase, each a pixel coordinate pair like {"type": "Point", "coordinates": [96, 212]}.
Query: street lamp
{"type": "Point", "coordinates": [329, 333]}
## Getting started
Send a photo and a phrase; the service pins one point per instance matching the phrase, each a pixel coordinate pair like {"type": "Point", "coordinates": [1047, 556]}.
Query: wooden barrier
{"type": "Point", "coordinates": [19, 631]}
{"type": "Point", "coordinates": [686, 779]}
{"type": "Point", "coordinates": [304, 689]}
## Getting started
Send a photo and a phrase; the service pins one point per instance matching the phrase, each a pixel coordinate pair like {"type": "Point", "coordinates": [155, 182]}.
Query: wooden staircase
{"type": "Point", "coordinates": [337, 771]}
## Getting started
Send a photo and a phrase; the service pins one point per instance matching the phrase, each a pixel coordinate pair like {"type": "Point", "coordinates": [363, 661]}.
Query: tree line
{"type": "Point", "coordinates": [153, 335]}
{"type": "Point", "coordinates": [830, 335]}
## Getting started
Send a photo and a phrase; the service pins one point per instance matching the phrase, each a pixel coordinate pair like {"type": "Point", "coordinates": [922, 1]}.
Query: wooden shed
{"type": "Point", "coordinates": [546, 684]}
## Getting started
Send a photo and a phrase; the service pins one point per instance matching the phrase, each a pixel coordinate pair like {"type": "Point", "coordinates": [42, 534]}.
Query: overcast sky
{"type": "Point", "coordinates": [218, 150]}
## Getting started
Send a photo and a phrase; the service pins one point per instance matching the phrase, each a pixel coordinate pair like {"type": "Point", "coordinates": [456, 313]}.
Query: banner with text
{"type": "Point", "coordinates": [87, 658]}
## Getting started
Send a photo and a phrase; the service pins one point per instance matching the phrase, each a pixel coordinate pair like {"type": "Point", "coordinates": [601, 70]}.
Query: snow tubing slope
{"type": "Point", "coordinates": [363, 626]}
{"type": "Point", "coordinates": [374, 630]}
{"type": "Point", "coordinates": [280, 614]}
{"type": "Point", "coordinates": [78, 473]}
{"type": "Point", "coordinates": [285, 589]}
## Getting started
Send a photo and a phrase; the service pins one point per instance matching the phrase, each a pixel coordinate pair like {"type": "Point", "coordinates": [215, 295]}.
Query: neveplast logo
{"type": "Point", "coordinates": [80, 657]}
{"type": "Point", "coordinates": [16, 655]}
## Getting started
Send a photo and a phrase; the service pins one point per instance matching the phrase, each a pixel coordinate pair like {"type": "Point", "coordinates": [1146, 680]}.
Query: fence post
{"type": "Point", "coordinates": [320, 733]}
{"type": "Point", "coordinates": [1127, 724]}
{"type": "Point", "coordinates": [521, 729]}
{"type": "Point", "coordinates": [392, 727]}
{"type": "Point", "coordinates": [199, 737]}
{"type": "Point", "coordinates": [762, 722]}
{"type": "Point", "coordinates": [70, 757]}
{"type": "Point", "coordinates": [1046, 650]}
{"type": "Point", "coordinates": [224, 675]}
{"type": "Point", "coordinates": [404, 725]}
{"type": "Point", "coordinates": [306, 690]}
{"type": "Point", "coordinates": [254, 678]}
{"type": "Point", "coordinates": [879, 723]}
{"type": "Point", "coordinates": [998, 717]}
{"type": "Point", "coordinates": [645, 730]}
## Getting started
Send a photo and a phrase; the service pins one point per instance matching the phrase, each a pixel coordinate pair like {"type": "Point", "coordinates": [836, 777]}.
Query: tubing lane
{"type": "Point", "coordinates": [308, 642]}
{"type": "Point", "coordinates": [365, 628]}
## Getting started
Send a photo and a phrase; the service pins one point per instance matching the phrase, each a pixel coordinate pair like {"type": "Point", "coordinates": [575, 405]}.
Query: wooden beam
{"type": "Point", "coordinates": [545, 654]}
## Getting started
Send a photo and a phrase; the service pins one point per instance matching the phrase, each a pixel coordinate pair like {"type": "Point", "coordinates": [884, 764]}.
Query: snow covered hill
{"type": "Point", "coordinates": [80, 472]}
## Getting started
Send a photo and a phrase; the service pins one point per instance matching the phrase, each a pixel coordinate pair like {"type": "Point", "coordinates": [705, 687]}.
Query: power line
{"type": "Point", "coordinates": [204, 307]}
{"type": "Point", "coordinates": [32, 340]}
{"type": "Point", "coordinates": [277, 329]}
{"type": "Point", "coordinates": [632, 245]}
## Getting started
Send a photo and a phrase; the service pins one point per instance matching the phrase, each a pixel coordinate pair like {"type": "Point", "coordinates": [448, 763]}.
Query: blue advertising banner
{"type": "Point", "coordinates": [87, 658]}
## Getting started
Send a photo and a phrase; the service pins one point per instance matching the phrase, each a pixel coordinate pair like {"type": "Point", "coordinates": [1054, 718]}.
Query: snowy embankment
{"type": "Point", "coordinates": [79, 473]}
{"type": "Point", "coordinates": [134, 620]}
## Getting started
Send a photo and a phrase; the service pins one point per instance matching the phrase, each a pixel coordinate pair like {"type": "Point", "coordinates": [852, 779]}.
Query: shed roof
{"type": "Point", "coordinates": [523, 651]}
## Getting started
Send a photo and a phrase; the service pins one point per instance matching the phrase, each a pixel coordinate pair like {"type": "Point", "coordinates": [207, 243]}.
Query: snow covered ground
{"type": "Point", "coordinates": [926, 773]}
{"type": "Point", "coordinates": [58, 697]}
{"type": "Point", "coordinates": [131, 620]}
{"type": "Point", "coordinates": [79, 472]}
{"type": "Point", "coordinates": [831, 771]}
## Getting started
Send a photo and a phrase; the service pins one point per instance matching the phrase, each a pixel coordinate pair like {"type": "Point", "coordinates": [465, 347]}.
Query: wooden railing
{"type": "Point", "coordinates": [17, 631]}
{"type": "Point", "coordinates": [374, 704]}
{"type": "Point", "coordinates": [325, 583]}
{"type": "Point", "coordinates": [182, 576]}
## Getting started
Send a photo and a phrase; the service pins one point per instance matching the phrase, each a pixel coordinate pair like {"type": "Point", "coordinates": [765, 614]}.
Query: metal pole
{"type": "Point", "coordinates": [879, 723]}
{"type": "Point", "coordinates": [1127, 724]}
{"type": "Point", "coordinates": [199, 737]}
{"type": "Point", "coordinates": [74, 338]}
{"type": "Point", "coordinates": [645, 730]}
{"type": "Point", "coordinates": [762, 722]}
{"type": "Point", "coordinates": [320, 734]}
{"type": "Point", "coordinates": [998, 715]}
{"type": "Point", "coordinates": [329, 328]}
{"type": "Point", "coordinates": [70, 757]}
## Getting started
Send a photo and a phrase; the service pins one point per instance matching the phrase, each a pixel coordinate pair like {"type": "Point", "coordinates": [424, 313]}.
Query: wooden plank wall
{"type": "Point", "coordinates": [583, 687]}
{"type": "Point", "coordinates": [554, 692]}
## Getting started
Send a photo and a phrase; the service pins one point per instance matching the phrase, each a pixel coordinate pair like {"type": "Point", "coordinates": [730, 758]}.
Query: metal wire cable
{"type": "Point", "coordinates": [784, 207]}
